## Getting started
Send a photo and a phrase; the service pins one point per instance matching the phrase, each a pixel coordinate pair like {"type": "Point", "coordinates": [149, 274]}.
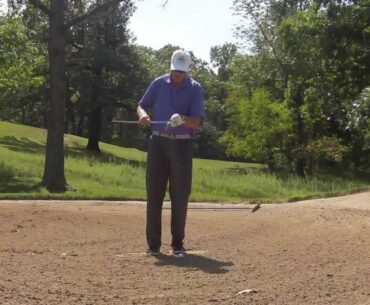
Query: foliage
{"type": "Point", "coordinates": [326, 150]}
{"type": "Point", "coordinates": [206, 142]}
{"type": "Point", "coordinates": [22, 64]}
{"type": "Point", "coordinates": [314, 56]}
{"type": "Point", "coordinates": [259, 129]}
{"type": "Point", "coordinates": [221, 57]}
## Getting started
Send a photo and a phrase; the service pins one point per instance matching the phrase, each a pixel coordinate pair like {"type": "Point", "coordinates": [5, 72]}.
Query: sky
{"type": "Point", "coordinates": [195, 25]}
{"type": "Point", "coordinates": [3, 6]}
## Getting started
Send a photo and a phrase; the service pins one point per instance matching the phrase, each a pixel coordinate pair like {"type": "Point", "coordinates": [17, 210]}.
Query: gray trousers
{"type": "Point", "coordinates": [168, 160]}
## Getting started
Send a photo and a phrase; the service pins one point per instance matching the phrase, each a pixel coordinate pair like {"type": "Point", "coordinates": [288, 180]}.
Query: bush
{"type": "Point", "coordinates": [206, 144]}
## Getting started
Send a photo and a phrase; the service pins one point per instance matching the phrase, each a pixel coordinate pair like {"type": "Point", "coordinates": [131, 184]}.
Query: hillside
{"type": "Point", "coordinates": [119, 173]}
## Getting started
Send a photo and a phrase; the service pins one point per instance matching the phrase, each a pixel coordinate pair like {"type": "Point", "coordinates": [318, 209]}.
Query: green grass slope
{"type": "Point", "coordinates": [119, 173]}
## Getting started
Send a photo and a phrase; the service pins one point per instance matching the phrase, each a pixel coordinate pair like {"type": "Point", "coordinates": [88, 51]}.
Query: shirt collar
{"type": "Point", "coordinates": [187, 82]}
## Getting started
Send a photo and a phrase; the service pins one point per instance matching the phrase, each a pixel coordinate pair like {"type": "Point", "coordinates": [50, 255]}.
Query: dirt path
{"type": "Point", "coordinates": [309, 252]}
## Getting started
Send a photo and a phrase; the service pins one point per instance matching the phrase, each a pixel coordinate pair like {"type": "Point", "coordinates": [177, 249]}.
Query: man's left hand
{"type": "Point", "coordinates": [176, 120]}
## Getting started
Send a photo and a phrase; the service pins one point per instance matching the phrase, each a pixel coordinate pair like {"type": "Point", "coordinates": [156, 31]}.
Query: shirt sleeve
{"type": "Point", "coordinates": [197, 103]}
{"type": "Point", "coordinates": [147, 101]}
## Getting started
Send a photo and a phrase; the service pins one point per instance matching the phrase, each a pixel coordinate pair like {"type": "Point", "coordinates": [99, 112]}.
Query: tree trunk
{"type": "Point", "coordinates": [300, 167]}
{"type": "Point", "coordinates": [81, 123]}
{"type": "Point", "coordinates": [301, 141]}
{"type": "Point", "coordinates": [70, 119]}
{"type": "Point", "coordinates": [94, 134]}
{"type": "Point", "coordinates": [96, 114]}
{"type": "Point", "coordinates": [54, 179]}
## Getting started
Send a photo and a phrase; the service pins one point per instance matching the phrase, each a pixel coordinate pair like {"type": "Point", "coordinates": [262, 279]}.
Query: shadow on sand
{"type": "Point", "coordinates": [193, 261]}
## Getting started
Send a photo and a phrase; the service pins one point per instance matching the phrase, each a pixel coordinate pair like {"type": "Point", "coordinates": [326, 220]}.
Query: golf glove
{"type": "Point", "coordinates": [176, 120]}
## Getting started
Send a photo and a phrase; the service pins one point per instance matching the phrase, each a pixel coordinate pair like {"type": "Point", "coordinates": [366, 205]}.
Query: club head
{"type": "Point", "coordinates": [256, 207]}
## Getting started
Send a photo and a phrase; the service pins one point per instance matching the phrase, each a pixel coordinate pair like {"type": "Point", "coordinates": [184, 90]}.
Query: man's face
{"type": "Point", "coordinates": [178, 77]}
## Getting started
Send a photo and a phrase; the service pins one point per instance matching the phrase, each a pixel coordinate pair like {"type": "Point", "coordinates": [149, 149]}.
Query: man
{"type": "Point", "coordinates": [178, 99]}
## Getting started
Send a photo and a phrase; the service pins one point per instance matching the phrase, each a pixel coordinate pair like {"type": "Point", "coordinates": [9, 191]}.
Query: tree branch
{"type": "Point", "coordinates": [91, 12]}
{"type": "Point", "coordinates": [164, 4]}
{"type": "Point", "coordinates": [265, 37]}
{"type": "Point", "coordinates": [40, 5]}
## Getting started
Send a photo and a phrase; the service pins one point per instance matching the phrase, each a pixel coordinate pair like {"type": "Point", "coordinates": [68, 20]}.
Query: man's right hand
{"type": "Point", "coordinates": [144, 118]}
{"type": "Point", "coordinates": [144, 121]}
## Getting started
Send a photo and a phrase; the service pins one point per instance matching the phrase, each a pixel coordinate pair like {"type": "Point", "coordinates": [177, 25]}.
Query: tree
{"type": "Point", "coordinates": [101, 53]}
{"type": "Point", "coordinates": [359, 127]}
{"type": "Point", "coordinates": [206, 144]}
{"type": "Point", "coordinates": [54, 178]}
{"type": "Point", "coordinates": [221, 57]}
{"type": "Point", "coordinates": [332, 67]}
{"type": "Point", "coordinates": [313, 56]}
{"type": "Point", "coordinates": [258, 129]}
{"type": "Point", "coordinates": [21, 65]}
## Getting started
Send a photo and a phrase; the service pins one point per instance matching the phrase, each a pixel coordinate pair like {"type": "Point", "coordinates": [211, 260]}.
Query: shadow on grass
{"type": "Point", "coordinates": [22, 145]}
{"type": "Point", "coordinates": [247, 170]}
{"type": "Point", "coordinates": [102, 157]}
{"type": "Point", "coordinates": [192, 261]}
{"type": "Point", "coordinates": [15, 185]}
{"type": "Point", "coordinates": [79, 152]}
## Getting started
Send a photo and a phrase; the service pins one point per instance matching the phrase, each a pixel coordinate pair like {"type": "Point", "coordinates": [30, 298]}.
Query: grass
{"type": "Point", "coordinates": [119, 173]}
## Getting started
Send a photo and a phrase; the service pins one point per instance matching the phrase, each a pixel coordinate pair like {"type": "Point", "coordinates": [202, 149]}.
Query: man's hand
{"type": "Point", "coordinates": [176, 120]}
{"type": "Point", "coordinates": [144, 118]}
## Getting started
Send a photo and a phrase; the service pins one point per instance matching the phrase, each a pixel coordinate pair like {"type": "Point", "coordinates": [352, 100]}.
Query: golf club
{"type": "Point", "coordinates": [137, 123]}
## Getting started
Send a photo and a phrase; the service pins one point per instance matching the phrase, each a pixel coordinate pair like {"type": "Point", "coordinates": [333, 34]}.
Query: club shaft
{"type": "Point", "coordinates": [136, 122]}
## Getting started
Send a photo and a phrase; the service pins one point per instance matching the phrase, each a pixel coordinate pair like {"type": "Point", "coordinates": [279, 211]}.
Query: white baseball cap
{"type": "Point", "coordinates": [181, 61]}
